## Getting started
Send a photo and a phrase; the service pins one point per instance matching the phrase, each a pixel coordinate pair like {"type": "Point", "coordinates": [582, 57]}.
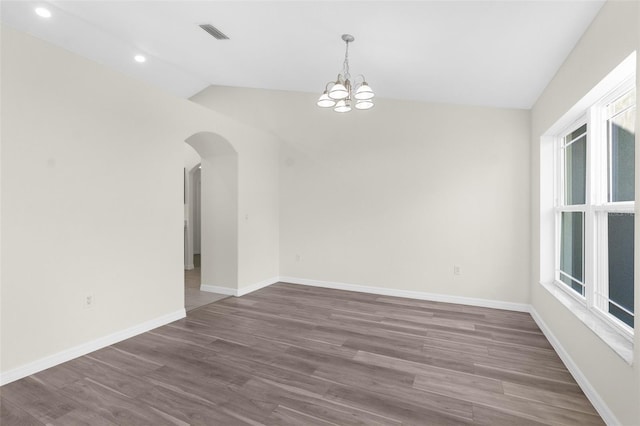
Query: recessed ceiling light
{"type": "Point", "coordinates": [43, 12]}
{"type": "Point", "coordinates": [140, 59]}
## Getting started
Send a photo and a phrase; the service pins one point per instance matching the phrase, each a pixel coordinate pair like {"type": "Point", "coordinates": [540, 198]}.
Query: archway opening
{"type": "Point", "coordinates": [214, 212]}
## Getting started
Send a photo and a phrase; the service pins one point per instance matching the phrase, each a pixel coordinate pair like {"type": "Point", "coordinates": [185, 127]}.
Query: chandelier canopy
{"type": "Point", "coordinates": [339, 94]}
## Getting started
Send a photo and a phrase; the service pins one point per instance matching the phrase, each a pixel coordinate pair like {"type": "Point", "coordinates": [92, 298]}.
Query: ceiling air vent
{"type": "Point", "coordinates": [216, 33]}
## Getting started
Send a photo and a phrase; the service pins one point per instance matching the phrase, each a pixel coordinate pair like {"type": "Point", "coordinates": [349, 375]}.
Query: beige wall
{"type": "Point", "coordinates": [610, 39]}
{"type": "Point", "coordinates": [395, 196]}
{"type": "Point", "coordinates": [92, 200]}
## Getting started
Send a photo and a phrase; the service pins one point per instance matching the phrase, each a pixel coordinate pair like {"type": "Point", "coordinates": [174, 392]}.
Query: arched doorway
{"type": "Point", "coordinates": [218, 212]}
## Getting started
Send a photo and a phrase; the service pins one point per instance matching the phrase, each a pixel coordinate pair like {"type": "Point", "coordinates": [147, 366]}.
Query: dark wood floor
{"type": "Point", "coordinates": [297, 355]}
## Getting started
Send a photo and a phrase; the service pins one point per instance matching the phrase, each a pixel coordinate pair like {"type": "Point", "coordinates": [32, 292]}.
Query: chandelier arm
{"type": "Point", "coordinates": [357, 84]}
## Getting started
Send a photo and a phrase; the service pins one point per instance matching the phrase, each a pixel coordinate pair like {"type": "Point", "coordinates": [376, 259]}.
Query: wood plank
{"type": "Point", "coordinates": [312, 403]}
{"type": "Point", "coordinates": [567, 400]}
{"type": "Point", "coordinates": [12, 414]}
{"type": "Point", "coordinates": [527, 379]}
{"type": "Point", "coordinates": [127, 362]}
{"type": "Point", "coordinates": [491, 417]}
{"type": "Point", "coordinates": [390, 406]}
{"type": "Point", "coordinates": [221, 406]}
{"type": "Point", "coordinates": [449, 379]}
{"type": "Point", "coordinates": [455, 346]}
{"type": "Point", "coordinates": [112, 405]}
{"type": "Point", "coordinates": [526, 409]}
{"type": "Point", "coordinates": [60, 375]}
{"type": "Point", "coordinates": [287, 416]}
{"type": "Point", "coordinates": [39, 399]}
{"type": "Point", "coordinates": [379, 347]}
{"type": "Point", "coordinates": [82, 417]}
{"type": "Point", "coordinates": [108, 376]}
{"type": "Point", "coordinates": [279, 377]}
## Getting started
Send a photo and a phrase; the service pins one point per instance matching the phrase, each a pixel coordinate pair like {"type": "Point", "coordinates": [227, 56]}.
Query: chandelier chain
{"type": "Point", "coordinates": [345, 65]}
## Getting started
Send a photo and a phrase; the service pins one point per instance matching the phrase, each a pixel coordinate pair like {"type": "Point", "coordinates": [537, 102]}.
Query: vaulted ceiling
{"type": "Point", "coordinates": [493, 53]}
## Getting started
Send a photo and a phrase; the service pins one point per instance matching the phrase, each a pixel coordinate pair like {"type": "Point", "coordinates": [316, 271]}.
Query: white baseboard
{"type": "Point", "coordinates": [189, 267]}
{"type": "Point", "coordinates": [257, 286]}
{"type": "Point", "coordinates": [435, 297]}
{"type": "Point", "coordinates": [241, 291]}
{"type": "Point", "coordinates": [85, 348]}
{"type": "Point", "coordinates": [220, 290]}
{"type": "Point", "coordinates": [593, 396]}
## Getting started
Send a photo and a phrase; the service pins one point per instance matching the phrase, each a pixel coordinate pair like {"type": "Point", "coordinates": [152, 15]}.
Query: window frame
{"type": "Point", "coordinates": [595, 209]}
{"type": "Point", "coordinates": [608, 334]}
{"type": "Point", "coordinates": [560, 206]}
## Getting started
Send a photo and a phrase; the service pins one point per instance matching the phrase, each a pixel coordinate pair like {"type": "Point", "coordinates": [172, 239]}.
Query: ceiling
{"type": "Point", "coordinates": [490, 53]}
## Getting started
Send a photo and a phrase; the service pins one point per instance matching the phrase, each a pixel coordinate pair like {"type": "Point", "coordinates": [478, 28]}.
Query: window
{"type": "Point", "coordinates": [594, 207]}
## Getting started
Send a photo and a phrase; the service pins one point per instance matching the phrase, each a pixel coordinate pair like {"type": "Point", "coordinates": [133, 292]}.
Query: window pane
{"type": "Point", "coordinates": [579, 132]}
{"type": "Point", "coordinates": [620, 245]}
{"type": "Point", "coordinates": [577, 287]}
{"type": "Point", "coordinates": [621, 142]}
{"type": "Point", "coordinates": [571, 249]}
{"type": "Point", "coordinates": [575, 166]}
{"type": "Point", "coordinates": [623, 102]}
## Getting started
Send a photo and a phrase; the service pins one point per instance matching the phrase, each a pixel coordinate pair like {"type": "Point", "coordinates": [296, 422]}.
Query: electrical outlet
{"type": "Point", "coordinates": [88, 301]}
{"type": "Point", "coordinates": [298, 258]}
{"type": "Point", "coordinates": [456, 270]}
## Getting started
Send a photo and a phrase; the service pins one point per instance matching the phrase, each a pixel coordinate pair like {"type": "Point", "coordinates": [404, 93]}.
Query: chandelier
{"type": "Point", "coordinates": [340, 94]}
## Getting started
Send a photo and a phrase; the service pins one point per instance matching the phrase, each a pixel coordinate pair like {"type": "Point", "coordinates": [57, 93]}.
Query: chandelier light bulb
{"type": "Point", "coordinates": [338, 91]}
{"type": "Point", "coordinates": [43, 12]}
{"type": "Point", "coordinates": [364, 104]}
{"type": "Point", "coordinates": [364, 92]}
{"type": "Point", "coordinates": [343, 105]}
{"type": "Point", "coordinates": [325, 101]}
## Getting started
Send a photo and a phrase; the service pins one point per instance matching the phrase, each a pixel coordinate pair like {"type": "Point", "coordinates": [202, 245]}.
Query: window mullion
{"type": "Point", "coordinates": [575, 208]}
{"type": "Point", "coordinates": [601, 290]}
{"type": "Point", "coordinates": [558, 198]}
{"type": "Point", "coordinates": [598, 285]}
{"type": "Point", "coordinates": [619, 207]}
{"type": "Point", "coordinates": [591, 186]}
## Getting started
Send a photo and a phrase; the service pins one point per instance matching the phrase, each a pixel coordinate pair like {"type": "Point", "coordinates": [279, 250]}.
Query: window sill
{"type": "Point", "coordinates": [612, 337]}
